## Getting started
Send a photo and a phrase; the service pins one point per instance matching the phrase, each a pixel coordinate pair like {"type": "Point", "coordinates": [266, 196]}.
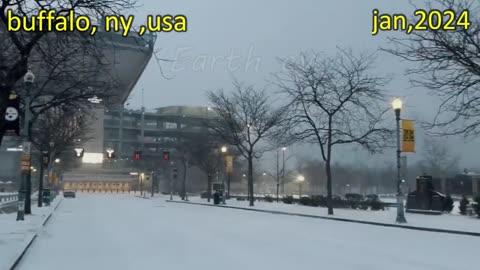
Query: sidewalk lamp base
{"type": "Point", "coordinates": [400, 210]}
{"type": "Point", "coordinates": [21, 205]}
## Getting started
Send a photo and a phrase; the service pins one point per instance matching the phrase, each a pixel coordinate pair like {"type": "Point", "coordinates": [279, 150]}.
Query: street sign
{"type": "Point", "coordinates": [26, 164]}
{"type": "Point", "coordinates": [26, 160]}
{"type": "Point", "coordinates": [229, 168]}
{"type": "Point", "coordinates": [408, 140]}
{"type": "Point", "coordinates": [12, 119]}
{"type": "Point", "coordinates": [110, 153]}
{"type": "Point", "coordinates": [27, 148]}
{"type": "Point", "coordinates": [79, 152]}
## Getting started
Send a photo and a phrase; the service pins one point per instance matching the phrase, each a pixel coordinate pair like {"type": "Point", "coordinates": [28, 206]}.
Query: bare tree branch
{"type": "Point", "coordinates": [448, 65]}
{"type": "Point", "coordinates": [334, 101]}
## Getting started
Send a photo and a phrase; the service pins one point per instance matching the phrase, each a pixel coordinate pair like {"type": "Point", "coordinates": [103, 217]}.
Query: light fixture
{"type": "Point", "coordinates": [95, 100]}
{"type": "Point", "coordinates": [57, 160]}
{"type": "Point", "coordinates": [224, 149]}
{"type": "Point", "coordinates": [29, 77]}
{"type": "Point", "coordinates": [300, 178]}
{"type": "Point", "coordinates": [397, 104]}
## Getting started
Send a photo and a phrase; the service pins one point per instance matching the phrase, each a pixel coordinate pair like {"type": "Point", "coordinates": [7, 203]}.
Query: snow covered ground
{"type": "Point", "coordinates": [453, 221]}
{"type": "Point", "coordinates": [15, 235]}
{"type": "Point", "coordinates": [117, 232]}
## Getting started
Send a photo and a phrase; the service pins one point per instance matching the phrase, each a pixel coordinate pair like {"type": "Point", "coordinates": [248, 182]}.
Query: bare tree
{"type": "Point", "coordinates": [335, 101]}
{"type": "Point", "coordinates": [246, 119]}
{"type": "Point", "coordinates": [279, 176]}
{"type": "Point", "coordinates": [448, 64]}
{"type": "Point", "coordinates": [206, 156]}
{"type": "Point", "coordinates": [438, 158]}
{"type": "Point", "coordinates": [62, 127]}
{"type": "Point", "coordinates": [16, 48]}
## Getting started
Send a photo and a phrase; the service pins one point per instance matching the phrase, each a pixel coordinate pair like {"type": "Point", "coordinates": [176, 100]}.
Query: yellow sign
{"type": "Point", "coordinates": [408, 140]}
{"type": "Point", "coordinates": [26, 164]}
{"type": "Point", "coordinates": [229, 160]}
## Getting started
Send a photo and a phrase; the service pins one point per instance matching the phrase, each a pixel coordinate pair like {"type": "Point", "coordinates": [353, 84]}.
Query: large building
{"type": "Point", "coordinates": [120, 133]}
{"type": "Point", "coordinates": [152, 132]}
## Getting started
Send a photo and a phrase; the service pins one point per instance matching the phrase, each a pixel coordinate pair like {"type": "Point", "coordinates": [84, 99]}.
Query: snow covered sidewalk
{"type": "Point", "coordinates": [15, 236]}
{"type": "Point", "coordinates": [446, 221]}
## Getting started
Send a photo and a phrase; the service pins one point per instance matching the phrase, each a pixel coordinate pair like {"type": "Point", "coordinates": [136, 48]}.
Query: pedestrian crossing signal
{"type": "Point", "coordinates": [166, 155]}
{"type": "Point", "coordinates": [137, 155]}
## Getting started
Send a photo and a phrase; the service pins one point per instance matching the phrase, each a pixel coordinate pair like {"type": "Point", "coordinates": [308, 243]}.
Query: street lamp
{"type": "Point", "coordinates": [300, 180]}
{"type": "Point", "coordinates": [57, 160]}
{"type": "Point", "coordinates": [397, 108]}
{"type": "Point", "coordinates": [25, 191]}
{"type": "Point", "coordinates": [224, 150]}
{"type": "Point", "coordinates": [283, 170]}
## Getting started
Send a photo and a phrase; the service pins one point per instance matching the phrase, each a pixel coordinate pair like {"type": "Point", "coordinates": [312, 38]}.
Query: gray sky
{"type": "Point", "coordinates": [252, 33]}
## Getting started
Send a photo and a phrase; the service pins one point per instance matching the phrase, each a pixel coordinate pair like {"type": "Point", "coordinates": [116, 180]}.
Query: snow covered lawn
{"type": "Point", "coordinates": [447, 221]}
{"type": "Point", "coordinates": [15, 235]}
{"type": "Point", "coordinates": [123, 232]}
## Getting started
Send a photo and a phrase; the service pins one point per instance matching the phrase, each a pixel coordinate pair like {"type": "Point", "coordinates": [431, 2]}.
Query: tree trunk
{"type": "Point", "coordinates": [228, 186]}
{"type": "Point", "coordinates": [329, 187]}
{"type": "Point", "coordinates": [40, 183]}
{"type": "Point", "coordinates": [209, 187]}
{"type": "Point", "coordinates": [4, 95]}
{"type": "Point", "coordinates": [28, 195]}
{"type": "Point", "coordinates": [328, 168]}
{"type": "Point", "coordinates": [250, 179]}
{"type": "Point", "coordinates": [278, 187]}
{"type": "Point", "coordinates": [184, 182]}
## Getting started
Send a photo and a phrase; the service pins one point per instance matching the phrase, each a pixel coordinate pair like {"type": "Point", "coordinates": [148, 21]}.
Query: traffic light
{"type": "Point", "coordinates": [137, 155]}
{"type": "Point", "coordinates": [175, 173]}
{"type": "Point", "coordinates": [166, 155]}
{"type": "Point", "coordinates": [79, 152]}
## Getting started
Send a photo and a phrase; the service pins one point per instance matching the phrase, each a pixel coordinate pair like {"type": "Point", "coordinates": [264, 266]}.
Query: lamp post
{"type": "Point", "coordinates": [283, 170]}
{"type": "Point", "coordinates": [224, 153]}
{"type": "Point", "coordinates": [397, 107]}
{"type": "Point", "coordinates": [25, 191]}
{"type": "Point", "coordinates": [300, 180]}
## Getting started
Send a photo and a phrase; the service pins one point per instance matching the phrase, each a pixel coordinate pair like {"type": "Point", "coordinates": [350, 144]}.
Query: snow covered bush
{"type": "Point", "coordinates": [268, 198]}
{"type": "Point", "coordinates": [448, 204]}
{"type": "Point", "coordinates": [477, 205]}
{"type": "Point", "coordinates": [305, 200]}
{"type": "Point", "coordinates": [363, 205]}
{"type": "Point", "coordinates": [288, 199]}
{"type": "Point", "coordinates": [318, 200]}
{"type": "Point", "coordinates": [376, 205]}
{"type": "Point", "coordinates": [463, 205]}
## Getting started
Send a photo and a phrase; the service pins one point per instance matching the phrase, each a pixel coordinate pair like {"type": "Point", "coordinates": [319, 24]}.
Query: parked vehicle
{"type": "Point", "coordinates": [69, 194]}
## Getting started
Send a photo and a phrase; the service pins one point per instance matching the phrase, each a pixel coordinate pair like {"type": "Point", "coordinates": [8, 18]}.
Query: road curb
{"type": "Point", "coordinates": [19, 259]}
{"type": "Point", "coordinates": [406, 227]}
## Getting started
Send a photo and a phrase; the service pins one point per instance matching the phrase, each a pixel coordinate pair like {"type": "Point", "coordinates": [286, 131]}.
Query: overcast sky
{"type": "Point", "coordinates": [253, 33]}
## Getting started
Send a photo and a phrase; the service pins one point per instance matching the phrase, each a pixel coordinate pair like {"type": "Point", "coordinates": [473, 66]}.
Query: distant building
{"type": "Point", "coordinates": [152, 132]}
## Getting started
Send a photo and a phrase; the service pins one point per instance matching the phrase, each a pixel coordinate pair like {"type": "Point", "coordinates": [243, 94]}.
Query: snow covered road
{"type": "Point", "coordinates": [119, 232]}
